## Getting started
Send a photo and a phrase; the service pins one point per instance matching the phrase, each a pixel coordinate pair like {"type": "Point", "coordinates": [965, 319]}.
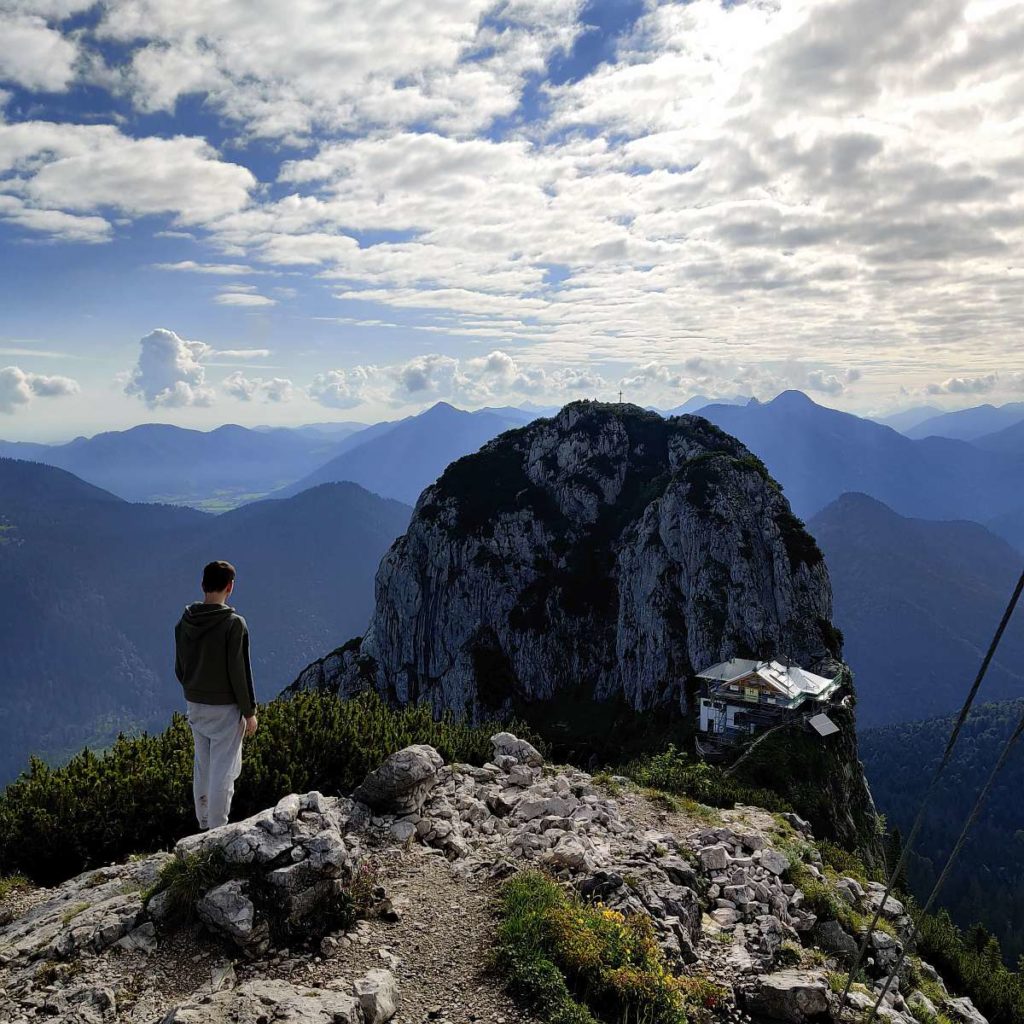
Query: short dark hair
{"type": "Point", "coordinates": [217, 576]}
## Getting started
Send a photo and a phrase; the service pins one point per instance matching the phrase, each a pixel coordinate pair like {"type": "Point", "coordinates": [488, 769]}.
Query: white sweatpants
{"type": "Point", "coordinates": [217, 730]}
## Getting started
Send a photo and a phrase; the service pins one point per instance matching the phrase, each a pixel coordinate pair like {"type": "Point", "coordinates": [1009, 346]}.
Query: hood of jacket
{"type": "Point", "coordinates": [201, 619]}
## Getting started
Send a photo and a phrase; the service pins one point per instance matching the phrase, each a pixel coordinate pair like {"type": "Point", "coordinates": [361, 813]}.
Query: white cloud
{"type": "Point", "coordinates": [828, 383]}
{"type": "Point", "coordinates": [241, 353]}
{"type": "Point", "coordinates": [57, 178]}
{"type": "Point", "coordinates": [342, 64]}
{"type": "Point", "coordinates": [778, 189]}
{"type": "Point", "coordinates": [246, 297]}
{"type": "Point", "coordinates": [277, 389]}
{"type": "Point", "coordinates": [219, 269]}
{"type": "Point", "coordinates": [237, 385]}
{"type": "Point", "coordinates": [34, 55]}
{"type": "Point", "coordinates": [340, 389]}
{"type": "Point", "coordinates": [965, 385]}
{"type": "Point", "coordinates": [17, 388]}
{"type": "Point", "coordinates": [56, 224]}
{"type": "Point", "coordinates": [433, 377]}
{"type": "Point", "coordinates": [169, 371]}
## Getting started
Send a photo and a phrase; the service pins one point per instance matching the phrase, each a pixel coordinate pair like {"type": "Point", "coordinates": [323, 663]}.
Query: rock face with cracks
{"type": "Point", "coordinates": [606, 547]}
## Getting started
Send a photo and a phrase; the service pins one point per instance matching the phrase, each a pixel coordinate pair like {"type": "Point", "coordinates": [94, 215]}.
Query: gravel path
{"type": "Point", "coordinates": [437, 950]}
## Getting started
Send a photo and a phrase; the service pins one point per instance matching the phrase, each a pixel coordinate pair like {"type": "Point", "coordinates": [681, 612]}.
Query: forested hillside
{"type": "Point", "coordinates": [917, 601]}
{"type": "Point", "coordinates": [92, 587]}
{"type": "Point", "coordinates": [987, 884]}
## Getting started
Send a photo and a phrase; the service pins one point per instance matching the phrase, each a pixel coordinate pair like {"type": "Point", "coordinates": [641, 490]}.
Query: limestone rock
{"type": "Point", "coordinates": [507, 745]}
{"type": "Point", "coordinates": [257, 1002]}
{"type": "Point", "coordinates": [228, 910]}
{"type": "Point", "coordinates": [401, 784]}
{"type": "Point", "coordinates": [792, 996]}
{"type": "Point", "coordinates": [773, 861]}
{"type": "Point", "coordinates": [917, 1000]}
{"type": "Point", "coordinates": [377, 992]}
{"type": "Point", "coordinates": [714, 858]}
{"type": "Point", "coordinates": [833, 938]}
{"type": "Point", "coordinates": [702, 560]}
{"type": "Point", "coordinates": [965, 1011]}
{"type": "Point", "coordinates": [606, 547]}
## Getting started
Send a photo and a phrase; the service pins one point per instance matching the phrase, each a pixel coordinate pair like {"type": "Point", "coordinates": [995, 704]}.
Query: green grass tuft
{"type": "Point", "coordinates": [572, 962]}
{"type": "Point", "coordinates": [10, 884]}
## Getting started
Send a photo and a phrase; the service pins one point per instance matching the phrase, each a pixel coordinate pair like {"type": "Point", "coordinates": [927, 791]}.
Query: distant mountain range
{"type": "Point", "coordinates": [401, 460]}
{"type": "Point", "coordinates": [93, 586]}
{"type": "Point", "coordinates": [819, 453]}
{"type": "Point", "coordinates": [918, 602]}
{"type": "Point", "coordinates": [906, 419]}
{"type": "Point", "coordinates": [160, 462]}
{"type": "Point", "coordinates": [969, 424]}
{"type": "Point", "coordinates": [699, 402]}
{"type": "Point", "coordinates": [223, 468]}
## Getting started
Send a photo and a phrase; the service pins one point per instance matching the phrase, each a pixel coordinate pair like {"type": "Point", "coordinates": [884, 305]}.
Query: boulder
{"type": "Point", "coordinates": [792, 996]}
{"type": "Point", "coordinates": [507, 745]}
{"type": "Point", "coordinates": [679, 871]}
{"type": "Point", "coordinates": [377, 993]}
{"type": "Point", "coordinates": [773, 861]}
{"type": "Point", "coordinates": [798, 823]}
{"type": "Point", "coordinates": [834, 939]}
{"type": "Point", "coordinates": [885, 950]}
{"type": "Point", "coordinates": [568, 852]}
{"type": "Point", "coordinates": [873, 900]}
{"type": "Point", "coordinates": [99, 926]}
{"type": "Point", "coordinates": [227, 909]}
{"type": "Point", "coordinates": [714, 858]}
{"type": "Point", "coordinates": [257, 1002]}
{"type": "Point", "coordinates": [402, 783]}
{"type": "Point", "coordinates": [965, 1011]}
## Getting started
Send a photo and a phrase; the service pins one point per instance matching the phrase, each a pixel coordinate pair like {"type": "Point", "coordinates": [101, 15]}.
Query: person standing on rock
{"type": "Point", "coordinates": [211, 662]}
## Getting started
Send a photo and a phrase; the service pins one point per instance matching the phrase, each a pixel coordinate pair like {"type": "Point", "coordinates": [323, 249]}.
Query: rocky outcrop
{"type": "Point", "coordinates": [290, 868]}
{"type": "Point", "coordinates": [722, 890]}
{"type": "Point", "coordinates": [606, 550]}
{"type": "Point", "coordinates": [258, 1002]}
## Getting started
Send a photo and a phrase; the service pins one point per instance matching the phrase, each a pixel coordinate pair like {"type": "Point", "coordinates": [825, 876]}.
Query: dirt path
{"type": "Point", "coordinates": [437, 950]}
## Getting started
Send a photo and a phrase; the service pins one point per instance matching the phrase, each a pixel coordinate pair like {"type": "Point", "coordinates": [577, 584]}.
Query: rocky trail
{"type": "Point", "coordinates": [430, 844]}
{"type": "Point", "coordinates": [434, 939]}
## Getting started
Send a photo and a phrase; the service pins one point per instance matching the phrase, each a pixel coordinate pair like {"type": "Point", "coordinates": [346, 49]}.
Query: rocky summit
{"type": "Point", "coordinates": [605, 552]}
{"type": "Point", "coordinates": [322, 910]}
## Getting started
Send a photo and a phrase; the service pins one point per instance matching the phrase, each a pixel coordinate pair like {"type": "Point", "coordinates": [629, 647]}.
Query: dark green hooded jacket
{"type": "Point", "coordinates": [212, 657]}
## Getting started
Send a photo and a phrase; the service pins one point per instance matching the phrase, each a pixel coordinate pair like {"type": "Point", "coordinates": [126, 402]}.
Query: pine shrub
{"type": "Point", "coordinates": [137, 797]}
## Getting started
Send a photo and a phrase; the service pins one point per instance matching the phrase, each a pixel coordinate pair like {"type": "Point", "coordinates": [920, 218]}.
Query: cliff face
{"type": "Point", "coordinates": [605, 548]}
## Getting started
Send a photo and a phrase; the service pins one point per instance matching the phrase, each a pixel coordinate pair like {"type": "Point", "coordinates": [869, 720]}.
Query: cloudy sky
{"type": "Point", "coordinates": [270, 211]}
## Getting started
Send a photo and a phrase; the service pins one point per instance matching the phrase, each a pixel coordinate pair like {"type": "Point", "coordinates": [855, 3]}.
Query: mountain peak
{"type": "Point", "coordinates": [441, 409]}
{"type": "Point", "coordinates": [793, 399]}
{"type": "Point", "coordinates": [551, 522]}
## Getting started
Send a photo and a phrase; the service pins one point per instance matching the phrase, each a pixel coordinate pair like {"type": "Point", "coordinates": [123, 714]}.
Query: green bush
{"type": "Point", "coordinates": [977, 972]}
{"type": "Point", "coordinates": [136, 798]}
{"type": "Point", "coordinates": [672, 771]}
{"type": "Point", "coordinates": [572, 962]}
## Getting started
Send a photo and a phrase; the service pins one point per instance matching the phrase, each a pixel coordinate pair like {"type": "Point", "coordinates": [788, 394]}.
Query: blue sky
{"type": "Point", "coordinates": [346, 210]}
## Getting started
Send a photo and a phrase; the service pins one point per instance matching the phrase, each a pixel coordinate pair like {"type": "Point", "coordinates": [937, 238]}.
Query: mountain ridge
{"type": "Point", "coordinates": [919, 599]}
{"type": "Point", "coordinates": [93, 586]}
